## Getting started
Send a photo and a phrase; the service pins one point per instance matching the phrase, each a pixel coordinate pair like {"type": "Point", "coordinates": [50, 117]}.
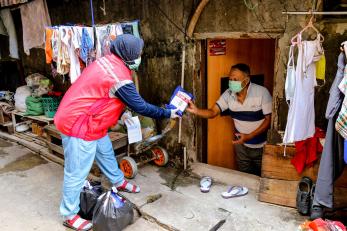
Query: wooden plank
{"type": "Point", "coordinates": [41, 118]}
{"type": "Point", "coordinates": [118, 140]}
{"type": "Point", "coordinates": [277, 166]}
{"type": "Point", "coordinates": [342, 180]}
{"type": "Point", "coordinates": [52, 131]}
{"type": "Point", "coordinates": [279, 192]}
{"type": "Point", "coordinates": [340, 199]}
{"type": "Point", "coordinates": [56, 148]}
{"type": "Point", "coordinates": [283, 192]}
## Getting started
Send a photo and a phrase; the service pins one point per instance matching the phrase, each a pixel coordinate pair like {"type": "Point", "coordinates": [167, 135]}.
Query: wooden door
{"type": "Point", "coordinates": [259, 54]}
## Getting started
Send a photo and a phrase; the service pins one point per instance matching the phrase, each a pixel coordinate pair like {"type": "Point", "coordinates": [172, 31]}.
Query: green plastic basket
{"type": "Point", "coordinates": [50, 105]}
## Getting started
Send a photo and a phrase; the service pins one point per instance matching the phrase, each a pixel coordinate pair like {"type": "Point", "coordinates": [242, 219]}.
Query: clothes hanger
{"type": "Point", "coordinates": [309, 25]}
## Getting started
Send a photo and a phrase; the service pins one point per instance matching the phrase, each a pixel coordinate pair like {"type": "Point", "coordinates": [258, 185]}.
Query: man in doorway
{"type": "Point", "coordinates": [250, 107]}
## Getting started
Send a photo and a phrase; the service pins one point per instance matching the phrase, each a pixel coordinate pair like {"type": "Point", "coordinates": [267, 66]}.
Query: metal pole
{"type": "Point", "coordinates": [182, 85]}
{"type": "Point", "coordinates": [184, 158]}
{"type": "Point", "coordinates": [315, 12]}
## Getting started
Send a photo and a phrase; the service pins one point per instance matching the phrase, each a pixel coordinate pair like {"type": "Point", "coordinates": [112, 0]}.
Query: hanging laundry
{"type": "Point", "coordinates": [114, 31]}
{"type": "Point", "coordinates": [131, 28]}
{"type": "Point", "coordinates": [290, 78]}
{"type": "Point", "coordinates": [54, 42]}
{"type": "Point", "coordinates": [102, 34]}
{"type": "Point", "coordinates": [48, 46]}
{"type": "Point", "coordinates": [320, 68]}
{"type": "Point", "coordinates": [331, 163]}
{"type": "Point", "coordinates": [301, 115]}
{"type": "Point", "coordinates": [70, 48]}
{"type": "Point", "coordinates": [35, 18]}
{"type": "Point", "coordinates": [341, 122]}
{"type": "Point", "coordinates": [87, 45]}
{"type": "Point", "coordinates": [307, 151]}
{"type": "Point", "coordinates": [7, 20]}
{"type": "Point", "coordinates": [63, 60]}
{"type": "Point", "coordinates": [75, 69]}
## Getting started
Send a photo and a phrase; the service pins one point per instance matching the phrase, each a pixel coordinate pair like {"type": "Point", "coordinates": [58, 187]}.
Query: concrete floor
{"type": "Point", "coordinates": [183, 207]}
{"type": "Point", "coordinates": [30, 192]}
{"type": "Point", "coordinates": [31, 188]}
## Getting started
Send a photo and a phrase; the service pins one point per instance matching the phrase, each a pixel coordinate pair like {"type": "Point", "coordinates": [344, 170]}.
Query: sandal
{"type": "Point", "coordinates": [235, 191]}
{"type": "Point", "coordinates": [126, 186]}
{"type": "Point", "coordinates": [78, 223]}
{"type": "Point", "coordinates": [303, 197]}
{"type": "Point", "coordinates": [205, 184]}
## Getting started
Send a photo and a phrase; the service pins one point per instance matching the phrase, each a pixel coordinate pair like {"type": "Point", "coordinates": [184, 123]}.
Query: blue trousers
{"type": "Point", "coordinates": [79, 156]}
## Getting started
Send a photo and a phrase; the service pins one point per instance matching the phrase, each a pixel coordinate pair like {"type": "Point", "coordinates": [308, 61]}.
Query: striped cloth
{"type": "Point", "coordinates": [4, 3]}
{"type": "Point", "coordinates": [341, 121]}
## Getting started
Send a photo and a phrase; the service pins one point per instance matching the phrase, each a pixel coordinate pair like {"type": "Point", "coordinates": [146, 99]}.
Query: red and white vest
{"type": "Point", "coordinates": [88, 108]}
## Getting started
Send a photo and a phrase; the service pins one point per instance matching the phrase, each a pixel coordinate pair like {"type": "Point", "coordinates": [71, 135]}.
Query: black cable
{"type": "Point", "coordinates": [167, 17]}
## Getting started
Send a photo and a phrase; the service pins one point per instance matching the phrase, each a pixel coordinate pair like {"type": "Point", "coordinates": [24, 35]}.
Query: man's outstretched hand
{"type": "Point", "coordinates": [192, 108]}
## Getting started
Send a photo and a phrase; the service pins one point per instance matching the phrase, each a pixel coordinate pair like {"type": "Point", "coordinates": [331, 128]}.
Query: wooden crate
{"type": "Point", "coordinates": [280, 179]}
{"type": "Point", "coordinates": [283, 192]}
{"type": "Point", "coordinates": [4, 118]}
{"type": "Point", "coordinates": [277, 166]}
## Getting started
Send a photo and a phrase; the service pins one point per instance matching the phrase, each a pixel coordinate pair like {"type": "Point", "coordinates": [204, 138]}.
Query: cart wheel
{"type": "Point", "coordinates": [128, 167]}
{"type": "Point", "coordinates": [161, 154]}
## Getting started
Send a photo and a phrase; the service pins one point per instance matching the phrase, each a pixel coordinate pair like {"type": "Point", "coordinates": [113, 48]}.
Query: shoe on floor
{"type": "Point", "coordinates": [78, 223]}
{"type": "Point", "coordinates": [303, 197]}
{"type": "Point", "coordinates": [316, 212]}
{"type": "Point", "coordinates": [205, 184]}
{"type": "Point", "coordinates": [126, 186]}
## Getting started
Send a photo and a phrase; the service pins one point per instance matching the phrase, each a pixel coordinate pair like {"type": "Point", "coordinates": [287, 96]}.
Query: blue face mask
{"type": "Point", "coordinates": [135, 65]}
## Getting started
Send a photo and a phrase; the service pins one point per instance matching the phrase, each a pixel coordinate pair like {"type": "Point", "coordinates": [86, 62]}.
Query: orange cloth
{"type": "Point", "coordinates": [48, 47]}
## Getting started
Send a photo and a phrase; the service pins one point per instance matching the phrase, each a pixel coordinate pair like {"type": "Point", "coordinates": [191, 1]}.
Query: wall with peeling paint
{"type": "Point", "coordinates": [161, 68]}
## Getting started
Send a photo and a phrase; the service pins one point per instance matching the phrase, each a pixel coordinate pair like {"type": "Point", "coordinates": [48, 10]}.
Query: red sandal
{"type": "Point", "coordinates": [126, 186]}
{"type": "Point", "coordinates": [78, 223]}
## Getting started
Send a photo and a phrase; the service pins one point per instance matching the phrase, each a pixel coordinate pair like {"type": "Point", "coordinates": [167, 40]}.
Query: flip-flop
{"type": "Point", "coordinates": [77, 223]}
{"type": "Point", "coordinates": [235, 191]}
{"type": "Point", "coordinates": [205, 184]}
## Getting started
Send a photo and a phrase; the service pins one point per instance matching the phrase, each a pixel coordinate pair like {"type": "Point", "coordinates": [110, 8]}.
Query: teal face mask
{"type": "Point", "coordinates": [136, 64]}
{"type": "Point", "coordinates": [235, 86]}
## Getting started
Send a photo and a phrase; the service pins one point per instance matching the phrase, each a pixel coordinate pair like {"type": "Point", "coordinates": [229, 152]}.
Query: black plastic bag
{"type": "Point", "coordinates": [112, 213]}
{"type": "Point", "coordinates": [88, 198]}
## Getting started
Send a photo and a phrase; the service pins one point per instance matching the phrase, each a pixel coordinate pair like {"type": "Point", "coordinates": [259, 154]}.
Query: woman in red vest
{"type": "Point", "coordinates": [91, 105]}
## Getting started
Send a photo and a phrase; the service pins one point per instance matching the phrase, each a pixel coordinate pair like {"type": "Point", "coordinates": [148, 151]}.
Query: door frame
{"type": "Point", "coordinates": [201, 45]}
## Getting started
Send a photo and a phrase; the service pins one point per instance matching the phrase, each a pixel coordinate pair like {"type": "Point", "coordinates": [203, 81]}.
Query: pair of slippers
{"type": "Point", "coordinates": [233, 191]}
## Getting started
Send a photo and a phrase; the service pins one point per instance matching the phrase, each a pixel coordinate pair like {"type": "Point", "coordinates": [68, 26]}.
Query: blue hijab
{"type": "Point", "coordinates": [127, 47]}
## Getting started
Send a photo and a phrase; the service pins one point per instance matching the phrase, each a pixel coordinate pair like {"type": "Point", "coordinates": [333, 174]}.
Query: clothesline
{"type": "Point", "coordinates": [315, 12]}
{"type": "Point", "coordinates": [70, 48]}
